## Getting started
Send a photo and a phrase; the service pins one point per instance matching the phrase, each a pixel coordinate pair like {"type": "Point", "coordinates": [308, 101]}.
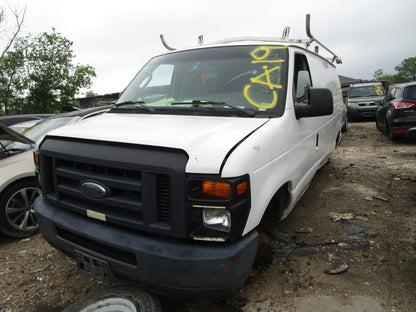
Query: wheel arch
{"type": "Point", "coordinates": [278, 205]}
{"type": "Point", "coordinates": [13, 182]}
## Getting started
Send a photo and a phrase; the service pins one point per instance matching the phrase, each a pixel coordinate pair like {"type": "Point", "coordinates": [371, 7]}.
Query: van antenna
{"type": "Point", "coordinates": [309, 34]}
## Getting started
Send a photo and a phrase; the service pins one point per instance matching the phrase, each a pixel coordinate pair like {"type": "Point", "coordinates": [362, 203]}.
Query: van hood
{"type": "Point", "coordinates": [366, 99]}
{"type": "Point", "coordinates": [206, 140]}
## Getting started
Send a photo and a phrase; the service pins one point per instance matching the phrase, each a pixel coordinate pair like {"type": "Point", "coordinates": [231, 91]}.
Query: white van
{"type": "Point", "coordinates": [168, 188]}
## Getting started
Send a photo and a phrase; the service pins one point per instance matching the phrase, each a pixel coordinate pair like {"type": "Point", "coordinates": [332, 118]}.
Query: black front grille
{"type": "Point", "coordinates": [367, 104]}
{"type": "Point", "coordinates": [145, 186]}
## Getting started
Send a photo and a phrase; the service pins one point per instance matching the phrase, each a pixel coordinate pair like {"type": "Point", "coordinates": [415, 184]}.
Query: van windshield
{"type": "Point", "coordinates": [366, 91]}
{"type": "Point", "coordinates": [221, 80]}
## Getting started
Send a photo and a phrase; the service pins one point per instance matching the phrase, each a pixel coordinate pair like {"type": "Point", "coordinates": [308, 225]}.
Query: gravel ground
{"type": "Point", "coordinates": [369, 183]}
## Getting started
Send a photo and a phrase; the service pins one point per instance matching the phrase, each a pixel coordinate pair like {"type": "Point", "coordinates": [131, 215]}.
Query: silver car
{"type": "Point", "coordinates": [18, 188]}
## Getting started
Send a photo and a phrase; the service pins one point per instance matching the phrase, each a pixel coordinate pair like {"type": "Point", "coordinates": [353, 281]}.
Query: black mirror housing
{"type": "Point", "coordinates": [321, 103]}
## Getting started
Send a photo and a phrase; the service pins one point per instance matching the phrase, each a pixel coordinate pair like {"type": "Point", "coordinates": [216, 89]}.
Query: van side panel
{"type": "Point", "coordinates": [287, 150]}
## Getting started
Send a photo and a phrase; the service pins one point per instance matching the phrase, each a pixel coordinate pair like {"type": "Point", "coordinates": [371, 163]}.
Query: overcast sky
{"type": "Point", "coordinates": [118, 37]}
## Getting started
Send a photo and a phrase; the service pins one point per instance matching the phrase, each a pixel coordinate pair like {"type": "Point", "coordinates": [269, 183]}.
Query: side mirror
{"type": "Point", "coordinates": [321, 103]}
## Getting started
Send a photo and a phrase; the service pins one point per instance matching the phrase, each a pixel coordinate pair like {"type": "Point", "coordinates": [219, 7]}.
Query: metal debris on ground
{"type": "Point", "coordinates": [342, 268]}
{"type": "Point", "coordinates": [352, 229]}
{"type": "Point", "coordinates": [340, 216]}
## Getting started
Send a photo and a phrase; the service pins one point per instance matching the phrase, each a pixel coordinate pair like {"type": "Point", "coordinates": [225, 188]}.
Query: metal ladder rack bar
{"type": "Point", "coordinates": [307, 42]}
{"type": "Point", "coordinates": [309, 34]}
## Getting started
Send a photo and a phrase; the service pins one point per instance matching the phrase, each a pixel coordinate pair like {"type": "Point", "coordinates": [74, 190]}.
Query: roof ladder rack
{"type": "Point", "coordinates": [284, 39]}
{"type": "Point", "coordinates": [309, 34]}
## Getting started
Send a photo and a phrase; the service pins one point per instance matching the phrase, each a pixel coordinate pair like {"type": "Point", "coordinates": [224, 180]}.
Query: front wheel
{"type": "Point", "coordinates": [17, 215]}
{"type": "Point", "coordinates": [345, 126]}
{"type": "Point", "coordinates": [117, 299]}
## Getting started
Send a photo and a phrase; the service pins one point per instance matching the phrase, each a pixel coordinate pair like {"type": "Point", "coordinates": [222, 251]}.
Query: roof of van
{"type": "Point", "coordinates": [248, 42]}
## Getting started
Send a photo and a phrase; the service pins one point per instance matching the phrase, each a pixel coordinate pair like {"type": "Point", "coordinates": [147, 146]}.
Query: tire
{"type": "Point", "coordinates": [378, 126]}
{"type": "Point", "coordinates": [117, 299]}
{"type": "Point", "coordinates": [389, 134]}
{"type": "Point", "coordinates": [17, 216]}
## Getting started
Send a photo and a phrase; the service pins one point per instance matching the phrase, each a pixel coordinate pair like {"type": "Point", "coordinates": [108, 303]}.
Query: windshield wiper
{"type": "Point", "coordinates": [13, 151]}
{"type": "Point", "coordinates": [140, 104]}
{"type": "Point", "coordinates": [208, 102]}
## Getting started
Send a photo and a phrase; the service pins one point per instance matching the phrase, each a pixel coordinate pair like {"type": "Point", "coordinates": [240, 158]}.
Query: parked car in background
{"type": "Point", "coordinates": [23, 126]}
{"type": "Point", "coordinates": [18, 188]}
{"type": "Point", "coordinates": [397, 116]}
{"type": "Point", "coordinates": [14, 119]}
{"type": "Point", "coordinates": [364, 99]}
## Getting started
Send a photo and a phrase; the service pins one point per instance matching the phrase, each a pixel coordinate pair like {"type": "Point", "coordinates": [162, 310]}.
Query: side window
{"type": "Point", "coordinates": [398, 93]}
{"type": "Point", "coordinates": [302, 78]}
{"type": "Point", "coordinates": [390, 96]}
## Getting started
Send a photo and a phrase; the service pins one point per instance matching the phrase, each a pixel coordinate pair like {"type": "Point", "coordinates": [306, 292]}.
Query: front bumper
{"type": "Point", "coordinates": [368, 112]}
{"type": "Point", "coordinates": [166, 266]}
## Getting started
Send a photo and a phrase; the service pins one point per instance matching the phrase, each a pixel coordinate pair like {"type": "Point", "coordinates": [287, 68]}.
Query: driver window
{"type": "Point", "coordinates": [302, 79]}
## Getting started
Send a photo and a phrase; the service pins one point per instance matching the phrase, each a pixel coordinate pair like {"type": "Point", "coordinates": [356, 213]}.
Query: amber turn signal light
{"type": "Point", "coordinates": [36, 158]}
{"type": "Point", "coordinates": [217, 189]}
{"type": "Point", "coordinates": [242, 188]}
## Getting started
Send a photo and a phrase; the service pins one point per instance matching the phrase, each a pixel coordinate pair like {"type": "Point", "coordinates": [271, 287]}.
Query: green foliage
{"type": "Point", "coordinates": [90, 93]}
{"type": "Point", "coordinates": [39, 75]}
{"type": "Point", "coordinates": [12, 82]}
{"type": "Point", "coordinates": [406, 71]}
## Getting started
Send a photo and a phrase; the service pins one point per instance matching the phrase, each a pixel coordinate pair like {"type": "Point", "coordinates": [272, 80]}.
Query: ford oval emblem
{"type": "Point", "coordinates": [94, 189]}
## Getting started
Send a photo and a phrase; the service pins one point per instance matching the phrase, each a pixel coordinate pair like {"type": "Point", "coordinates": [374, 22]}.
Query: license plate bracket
{"type": "Point", "coordinates": [95, 267]}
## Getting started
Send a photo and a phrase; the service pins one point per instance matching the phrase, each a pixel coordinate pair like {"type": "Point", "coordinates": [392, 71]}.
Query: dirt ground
{"type": "Point", "coordinates": [369, 181]}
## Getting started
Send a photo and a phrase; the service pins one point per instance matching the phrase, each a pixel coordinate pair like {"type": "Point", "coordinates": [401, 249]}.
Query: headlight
{"type": "Point", "coordinates": [217, 219]}
{"type": "Point", "coordinates": [353, 104]}
{"type": "Point", "coordinates": [218, 207]}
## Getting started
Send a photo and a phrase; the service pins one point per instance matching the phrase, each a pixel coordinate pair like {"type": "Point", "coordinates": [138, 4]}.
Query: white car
{"type": "Point", "coordinates": [18, 188]}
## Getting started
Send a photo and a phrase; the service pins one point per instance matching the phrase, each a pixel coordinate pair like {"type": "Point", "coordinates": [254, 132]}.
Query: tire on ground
{"type": "Point", "coordinates": [120, 299]}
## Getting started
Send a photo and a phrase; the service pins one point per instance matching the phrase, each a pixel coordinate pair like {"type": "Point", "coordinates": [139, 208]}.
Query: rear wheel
{"type": "Point", "coordinates": [117, 299]}
{"type": "Point", "coordinates": [388, 132]}
{"type": "Point", "coordinates": [17, 215]}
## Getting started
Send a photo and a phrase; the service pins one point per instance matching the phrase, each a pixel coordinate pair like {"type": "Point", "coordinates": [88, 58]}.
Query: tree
{"type": "Point", "coordinates": [11, 64]}
{"type": "Point", "coordinates": [19, 16]}
{"type": "Point", "coordinates": [406, 71]}
{"type": "Point", "coordinates": [12, 82]}
{"type": "Point", "coordinates": [52, 79]}
{"type": "Point", "coordinates": [90, 93]}
{"type": "Point", "coordinates": [380, 75]}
